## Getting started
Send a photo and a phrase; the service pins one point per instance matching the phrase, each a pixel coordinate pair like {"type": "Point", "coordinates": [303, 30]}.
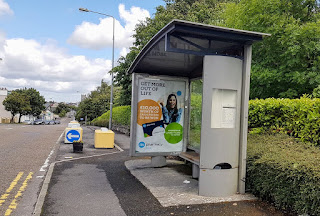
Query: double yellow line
{"type": "Point", "coordinates": [13, 204]}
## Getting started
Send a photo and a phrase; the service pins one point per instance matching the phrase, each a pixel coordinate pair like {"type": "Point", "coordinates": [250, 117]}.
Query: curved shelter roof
{"type": "Point", "coordinates": [179, 47]}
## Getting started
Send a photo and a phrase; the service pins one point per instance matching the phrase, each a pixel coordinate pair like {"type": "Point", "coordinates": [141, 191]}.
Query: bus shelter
{"type": "Point", "coordinates": [161, 75]}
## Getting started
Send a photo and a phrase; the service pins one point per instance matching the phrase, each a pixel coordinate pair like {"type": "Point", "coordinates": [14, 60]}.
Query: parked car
{"type": "Point", "coordinates": [29, 122]}
{"type": "Point", "coordinates": [57, 121]}
{"type": "Point", "coordinates": [49, 122]}
{"type": "Point", "coordinates": [38, 122]}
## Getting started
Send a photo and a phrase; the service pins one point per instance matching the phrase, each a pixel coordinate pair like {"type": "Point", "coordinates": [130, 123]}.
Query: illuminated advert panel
{"type": "Point", "coordinates": [160, 116]}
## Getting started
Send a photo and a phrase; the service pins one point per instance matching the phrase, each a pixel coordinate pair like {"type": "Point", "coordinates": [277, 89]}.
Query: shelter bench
{"type": "Point", "coordinates": [194, 158]}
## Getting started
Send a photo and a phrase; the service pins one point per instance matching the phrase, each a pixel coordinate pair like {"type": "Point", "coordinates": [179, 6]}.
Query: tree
{"type": "Point", "coordinates": [122, 79]}
{"type": "Point", "coordinates": [37, 101]}
{"type": "Point", "coordinates": [17, 102]}
{"type": "Point", "coordinates": [24, 102]}
{"type": "Point", "coordinates": [192, 10]}
{"type": "Point", "coordinates": [97, 102]}
{"type": "Point", "coordinates": [62, 107]}
{"type": "Point", "coordinates": [287, 64]}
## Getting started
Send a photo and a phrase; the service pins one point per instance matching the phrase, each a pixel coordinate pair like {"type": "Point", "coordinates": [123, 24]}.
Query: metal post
{"type": "Point", "coordinates": [111, 94]}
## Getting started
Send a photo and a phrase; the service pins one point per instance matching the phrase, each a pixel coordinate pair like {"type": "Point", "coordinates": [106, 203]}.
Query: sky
{"type": "Point", "coordinates": [61, 52]}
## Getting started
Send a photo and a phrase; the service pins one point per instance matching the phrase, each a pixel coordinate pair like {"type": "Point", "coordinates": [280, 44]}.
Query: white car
{"type": "Point", "coordinates": [29, 122]}
{"type": "Point", "coordinates": [38, 122]}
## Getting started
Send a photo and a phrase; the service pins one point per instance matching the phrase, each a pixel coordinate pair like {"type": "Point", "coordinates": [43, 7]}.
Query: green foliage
{"type": "Point", "coordinates": [196, 110]}
{"type": "Point", "coordinates": [284, 172]}
{"type": "Point", "coordinates": [287, 64]}
{"type": "Point", "coordinates": [195, 120]}
{"type": "Point", "coordinates": [37, 101]}
{"type": "Point", "coordinates": [120, 116]}
{"type": "Point", "coordinates": [17, 102]}
{"type": "Point", "coordinates": [96, 103]}
{"type": "Point", "coordinates": [297, 117]}
{"type": "Point", "coordinates": [62, 113]}
{"type": "Point", "coordinates": [62, 107]}
{"type": "Point", "coordinates": [316, 92]}
{"type": "Point", "coordinates": [202, 11]}
{"type": "Point", "coordinates": [102, 121]}
{"type": "Point", "coordinates": [24, 102]}
{"type": "Point", "coordinates": [195, 113]}
{"type": "Point", "coordinates": [259, 130]}
{"type": "Point", "coordinates": [123, 79]}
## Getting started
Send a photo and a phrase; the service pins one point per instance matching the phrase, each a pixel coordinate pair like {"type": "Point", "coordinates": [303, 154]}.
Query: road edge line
{"type": "Point", "coordinates": [86, 157]}
{"type": "Point", "coordinates": [43, 192]}
{"type": "Point", "coordinates": [119, 148]}
{"type": "Point", "coordinates": [45, 185]}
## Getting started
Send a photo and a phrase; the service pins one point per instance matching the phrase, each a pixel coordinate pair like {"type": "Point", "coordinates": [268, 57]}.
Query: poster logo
{"type": "Point", "coordinates": [142, 144]}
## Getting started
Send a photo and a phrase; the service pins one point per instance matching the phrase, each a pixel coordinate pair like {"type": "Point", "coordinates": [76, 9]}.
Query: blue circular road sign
{"type": "Point", "coordinates": [73, 135]}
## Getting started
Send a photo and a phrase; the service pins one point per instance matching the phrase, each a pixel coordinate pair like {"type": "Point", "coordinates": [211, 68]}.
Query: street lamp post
{"type": "Point", "coordinates": [111, 94]}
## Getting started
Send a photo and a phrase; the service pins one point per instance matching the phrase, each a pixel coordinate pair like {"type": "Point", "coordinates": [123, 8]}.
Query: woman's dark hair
{"type": "Point", "coordinates": [175, 112]}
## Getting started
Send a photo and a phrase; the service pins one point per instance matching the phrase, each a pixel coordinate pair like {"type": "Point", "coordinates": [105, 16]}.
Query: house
{"type": "Point", "coordinates": [48, 114]}
{"type": "Point", "coordinates": [5, 115]}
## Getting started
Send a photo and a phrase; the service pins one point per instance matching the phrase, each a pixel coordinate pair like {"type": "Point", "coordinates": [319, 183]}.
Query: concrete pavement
{"type": "Point", "coordinates": [109, 182]}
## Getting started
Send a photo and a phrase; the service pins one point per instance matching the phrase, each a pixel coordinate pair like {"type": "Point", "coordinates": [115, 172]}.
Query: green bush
{"type": "Point", "coordinates": [120, 116]}
{"type": "Point", "coordinates": [101, 121]}
{"type": "Point", "coordinates": [297, 117]}
{"type": "Point", "coordinates": [282, 171]}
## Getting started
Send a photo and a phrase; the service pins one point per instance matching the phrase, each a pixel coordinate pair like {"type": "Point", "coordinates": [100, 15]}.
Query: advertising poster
{"type": "Point", "coordinates": [160, 115]}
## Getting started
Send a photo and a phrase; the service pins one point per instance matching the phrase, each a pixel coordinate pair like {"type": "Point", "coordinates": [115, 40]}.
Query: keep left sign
{"type": "Point", "coordinates": [73, 135]}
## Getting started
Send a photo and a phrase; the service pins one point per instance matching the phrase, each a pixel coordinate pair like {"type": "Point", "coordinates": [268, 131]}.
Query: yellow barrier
{"type": "Point", "coordinates": [103, 139]}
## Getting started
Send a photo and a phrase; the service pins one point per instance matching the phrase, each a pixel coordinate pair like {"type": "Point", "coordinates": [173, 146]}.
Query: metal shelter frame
{"type": "Point", "coordinates": [178, 49]}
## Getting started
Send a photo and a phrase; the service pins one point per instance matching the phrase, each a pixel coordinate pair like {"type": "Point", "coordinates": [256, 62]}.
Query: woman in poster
{"type": "Point", "coordinates": [170, 112]}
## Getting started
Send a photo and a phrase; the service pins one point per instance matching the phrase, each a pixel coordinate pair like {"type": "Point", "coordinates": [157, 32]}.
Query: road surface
{"type": "Point", "coordinates": [25, 152]}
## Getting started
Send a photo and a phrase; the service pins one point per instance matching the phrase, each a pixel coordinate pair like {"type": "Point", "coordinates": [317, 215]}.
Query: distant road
{"type": "Point", "coordinates": [24, 150]}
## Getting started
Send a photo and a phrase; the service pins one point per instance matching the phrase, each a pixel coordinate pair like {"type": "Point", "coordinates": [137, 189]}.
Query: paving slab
{"type": "Point", "coordinates": [173, 188]}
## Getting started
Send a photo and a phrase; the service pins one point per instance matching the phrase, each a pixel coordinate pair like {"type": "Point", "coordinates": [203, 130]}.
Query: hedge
{"type": "Point", "coordinates": [284, 172]}
{"type": "Point", "coordinates": [297, 117]}
{"type": "Point", "coordinates": [121, 115]}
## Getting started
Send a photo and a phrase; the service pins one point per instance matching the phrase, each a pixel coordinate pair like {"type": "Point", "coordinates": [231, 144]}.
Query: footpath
{"type": "Point", "coordinates": [110, 182]}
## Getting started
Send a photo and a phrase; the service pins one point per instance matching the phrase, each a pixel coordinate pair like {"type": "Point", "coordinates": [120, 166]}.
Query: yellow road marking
{"type": "Point", "coordinates": [13, 204]}
{"type": "Point", "coordinates": [10, 188]}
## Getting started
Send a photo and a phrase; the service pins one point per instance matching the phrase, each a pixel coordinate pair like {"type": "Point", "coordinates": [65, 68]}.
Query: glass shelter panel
{"type": "Point", "coordinates": [195, 115]}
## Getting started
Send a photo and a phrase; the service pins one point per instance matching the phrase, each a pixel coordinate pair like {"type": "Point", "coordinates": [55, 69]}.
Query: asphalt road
{"type": "Point", "coordinates": [24, 150]}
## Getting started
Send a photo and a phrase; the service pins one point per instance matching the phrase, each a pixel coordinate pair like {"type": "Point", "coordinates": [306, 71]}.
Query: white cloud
{"type": "Point", "coordinates": [132, 17]}
{"type": "Point", "coordinates": [5, 8]}
{"type": "Point", "coordinates": [124, 51]}
{"type": "Point", "coordinates": [49, 69]}
{"type": "Point", "coordinates": [27, 63]}
{"type": "Point", "coordinates": [98, 36]}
